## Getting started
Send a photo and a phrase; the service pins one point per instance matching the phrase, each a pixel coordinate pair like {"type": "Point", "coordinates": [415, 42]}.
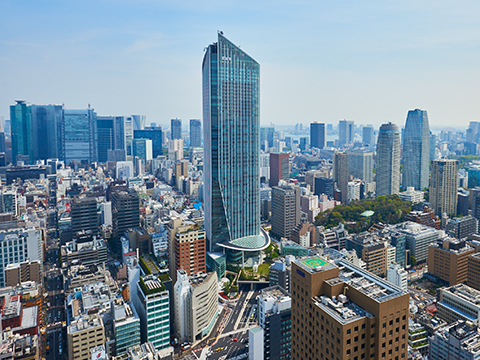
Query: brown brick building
{"type": "Point", "coordinates": [448, 260]}
{"type": "Point", "coordinates": [343, 312]}
{"type": "Point", "coordinates": [187, 247]}
{"type": "Point", "coordinates": [279, 168]}
{"type": "Point", "coordinates": [473, 273]}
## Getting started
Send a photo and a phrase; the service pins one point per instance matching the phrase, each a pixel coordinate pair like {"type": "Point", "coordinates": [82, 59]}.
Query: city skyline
{"type": "Point", "coordinates": [125, 61]}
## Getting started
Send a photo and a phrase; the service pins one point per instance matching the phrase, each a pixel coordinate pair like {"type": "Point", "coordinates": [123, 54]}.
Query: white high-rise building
{"type": "Point", "coordinates": [397, 276]}
{"type": "Point", "coordinates": [175, 149]}
{"type": "Point", "coordinates": [196, 305]}
{"type": "Point", "coordinates": [19, 245]}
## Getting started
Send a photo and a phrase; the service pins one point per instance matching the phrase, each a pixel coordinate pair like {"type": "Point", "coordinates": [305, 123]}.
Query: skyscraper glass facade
{"type": "Point", "coordinates": [153, 133]}
{"type": "Point", "coordinates": [22, 130]}
{"type": "Point", "coordinates": [317, 135]}
{"type": "Point", "coordinates": [79, 135]}
{"type": "Point", "coordinates": [388, 160]}
{"type": "Point", "coordinates": [231, 143]}
{"type": "Point", "coordinates": [176, 129]}
{"type": "Point", "coordinates": [105, 136]}
{"type": "Point", "coordinates": [416, 150]}
{"type": "Point", "coordinates": [195, 133]}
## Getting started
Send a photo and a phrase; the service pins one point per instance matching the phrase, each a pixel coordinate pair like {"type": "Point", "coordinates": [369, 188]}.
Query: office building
{"type": "Point", "coordinates": [126, 326]}
{"type": "Point", "coordinates": [196, 305]}
{"type": "Point", "coordinates": [22, 130]}
{"type": "Point", "coordinates": [274, 318]}
{"type": "Point", "coordinates": [195, 133]}
{"type": "Point", "coordinates": [416, 150]}
{"type": "Point", "coordinates": [176, 129]}
{"type": "Point", "coordinates": [346, 130]}
{"type": "Point", "coordinates": [399, 241]}
{"type": "Point", "coordinates": [8, 201]}
{"type": "Point", "coordinates": [187, 247]}
{"type": "Point", "coordinates": [459, 302]}
{"type": "Point", "coordinates": [85, 248]}
{"type": "Point", "coordinates": [473, 271]}
{"type": "Point", "coordinates": [463, 198]}
{"type": "Point", "coordinates": [84, 334]}
{"type": "Point", "coordinates": [265, 168]}
{"type": "Point", "coordinates": [473, 173]}
{"type": "Point", "coordinates": [317, 135]}
{"type": "Point", "coordinates": [267, 135]}
{"type": "Point", "coordinates": [459, 340]}
{"type": "Point", "coordinates": [367, 135]}
{"type": "Point", "coordinates": [47, 129]}
{"type": "Point", "coordinates": [303, 143]}
{"type": "Point", "coordinates": [375, 256]}
{"type": "Point", "coordinates": [18, 246]}
{"type": "Point", "coordinates": [79, 136]}
{"type": "Point", "coordinates": [324, 185]}
{"type": "Point", "coordinates": [231, 148]}
{"type": "Point", "coordinates": [125, 211]}
{"type": "Point", "coordinates": [143, 149]}
{"type": "Point", "coordinates": [448, 260]}
{"type": "Point", "coordinates": [84, 213]}
{"type": "Point", "coordinates": [356, 312]}
{"type": "Point", "coordinates": [360, 165]}
{"type": "Point", "coordinates": [388, 160]}
{"type": "Point", "coordinates": [124, 170]}
{"type": "Point", "coordinates": [138, 122]}
{"type": "Point", "coordinates": [476, 203]}
{"type": "Point", "coordinates": [105, 136]}
{"type": "Point", "coordinates": [123, 129]}
{"type": "Point", "coordinates": [398, 276]}
{"type": "Point", "coordinates": [175, 149]}
{"type": "Point", "coordinates": [340, 174]}
{"type": "Point", "coordinates": [156, 135]}
{"type": "Point", "coordinates": [285, 210]}
{"type": "Point", "coordinates": [279, 168]}
{"type": "Point", "coordinates": [280, 273]}
{"type": "Point", "coordinates": [152, 302]}
{"type": "Point", "coordinates": [412, 195]}
{"type": "Point", "coordinates": [443, 186]}
{"type": "Point", "coordinates": [461, 227]}
{"type": "Point", "coordinates": [18, 273]}
{"type": "Point", "coordinates": [26, 172]}
{"type": "Point", "coordinates": [418, 237]}
{"type": "Point", "coordinates": [139, 240]}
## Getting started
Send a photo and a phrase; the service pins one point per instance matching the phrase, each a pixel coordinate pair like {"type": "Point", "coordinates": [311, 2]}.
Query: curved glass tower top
{"type": "Point", "coordinates": [231, 143]}
{"type": "Point", "coordinates": [416, 150]}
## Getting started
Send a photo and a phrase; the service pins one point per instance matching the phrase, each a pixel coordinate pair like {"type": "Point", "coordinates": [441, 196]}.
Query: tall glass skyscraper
{"type": "Point", "coordinates": [416, 150]}
{"type": "Point", "coordinates": [176, 129]}
{"type": "Point", "coordinates": [317, 135]}
{"type": "Point", "coordinates": [195, 133]}
{"type": "Point", "coordinates": [388, 160]}
{"type": "Point", "coordinates": [79, 136]}
{"type": "Point", "coordinates": [231, 117]}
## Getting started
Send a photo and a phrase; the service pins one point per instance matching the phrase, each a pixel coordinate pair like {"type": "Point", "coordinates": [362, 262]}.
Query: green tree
{"type": "Point", "coordinates": [413, 261]}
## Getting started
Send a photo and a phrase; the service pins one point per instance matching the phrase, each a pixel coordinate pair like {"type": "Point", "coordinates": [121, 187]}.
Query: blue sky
{"type": "Point", "coordinates": [369, 61]}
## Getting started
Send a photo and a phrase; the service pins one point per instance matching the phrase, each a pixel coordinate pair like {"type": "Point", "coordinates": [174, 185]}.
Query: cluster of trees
{"type": "Point", "coordinates": [389, 209]}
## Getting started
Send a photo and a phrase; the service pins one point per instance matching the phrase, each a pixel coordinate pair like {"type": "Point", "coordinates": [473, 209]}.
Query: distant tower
{"type": "Point", "coordinates": [317, 135]}
{"type": "Point", "coordinates": [340, 173]}
{"type": "Point", "coordinates": [195, 133]}
{"type": "Point", "coordinates": [388, 160]}
{"type": "Point", "coordinates": [416, 150]}
{"type": "Point", "coordinates": [176, 129]}
{"type": "Point", "coordinates": [444, 186]}
{"type": "Point", "coordinates": [367, 135]}
{"type": "Point", "coordinates": [345, 132]}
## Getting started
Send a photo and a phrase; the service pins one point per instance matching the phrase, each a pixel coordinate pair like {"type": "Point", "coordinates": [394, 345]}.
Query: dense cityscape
{"type": "Point", "coordinates": [219, 238]}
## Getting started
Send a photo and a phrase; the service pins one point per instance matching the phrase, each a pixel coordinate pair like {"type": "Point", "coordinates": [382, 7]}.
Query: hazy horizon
{"type": "Point", "coordinates": [369, 62]}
